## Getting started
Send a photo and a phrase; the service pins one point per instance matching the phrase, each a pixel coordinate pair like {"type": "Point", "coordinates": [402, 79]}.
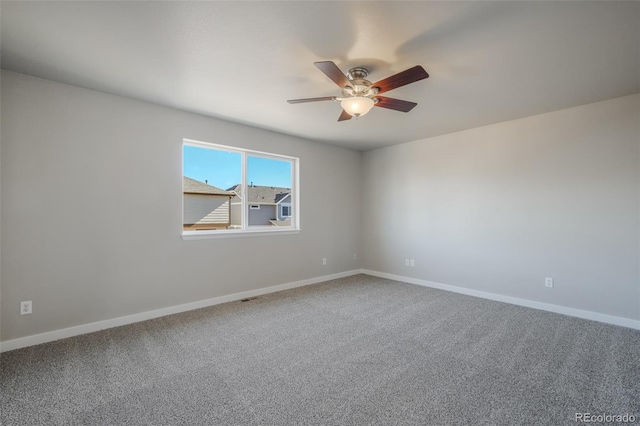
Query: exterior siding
{"type": "Point", "coordinates": [262, 216]}
{"type": "Point", "coordinates": [236, 212]}
{"type": "Point", "coordinates": [201, 209]}
{"type": "Point", "coordinates": [259, 217]}
{"type": "Point", "coordinates": [265, 197]}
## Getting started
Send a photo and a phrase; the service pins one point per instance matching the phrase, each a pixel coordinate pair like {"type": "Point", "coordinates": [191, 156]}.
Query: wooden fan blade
{"type": "Point", "coordinates": [332, 71]}
{"type": "Point", "coordinates": [401, 79]}
{"type": "Point", "coordinates": [395, 104]}
{"type": "Point", "coordinates": [299, 101]}
{"type": "Point", "coordinates": [344, 116]}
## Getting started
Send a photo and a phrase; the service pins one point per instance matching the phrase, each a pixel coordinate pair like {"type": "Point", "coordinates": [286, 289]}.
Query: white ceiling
{"type": "Point", "coordinates": [240, 61]}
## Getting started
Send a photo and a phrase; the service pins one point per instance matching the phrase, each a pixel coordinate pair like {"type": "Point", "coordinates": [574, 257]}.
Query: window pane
{"type": "Point", "coordinates": [269, 186]}
{"type": "Point", "coordinates": [233, 188]}
{"type": "Point", "coordinates": [211, 181]}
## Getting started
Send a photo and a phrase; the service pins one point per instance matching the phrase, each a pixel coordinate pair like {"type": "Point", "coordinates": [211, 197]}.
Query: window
{"type": "Point", "coordinates": [229, 190]}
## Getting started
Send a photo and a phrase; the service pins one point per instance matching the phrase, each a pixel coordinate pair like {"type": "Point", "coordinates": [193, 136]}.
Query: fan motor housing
{"type": "Point", "coordinates": [361, 86]}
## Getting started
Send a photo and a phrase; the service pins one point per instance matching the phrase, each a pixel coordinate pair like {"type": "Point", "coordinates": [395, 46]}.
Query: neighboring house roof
{"type": "Point", "coordinates": [192, 186]}
{"type": "Point", "coordinates": [283, 196]}
{"type": "Point", "coordinates": [262, 194]}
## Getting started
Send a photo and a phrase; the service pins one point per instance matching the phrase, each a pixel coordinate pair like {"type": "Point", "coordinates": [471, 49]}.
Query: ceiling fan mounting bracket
{"type": "Point", "coordinates": [358, 73]}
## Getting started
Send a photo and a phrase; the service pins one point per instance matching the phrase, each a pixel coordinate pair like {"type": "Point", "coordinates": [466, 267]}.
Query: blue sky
{"type": "Point", "coordinates": [223, 169]}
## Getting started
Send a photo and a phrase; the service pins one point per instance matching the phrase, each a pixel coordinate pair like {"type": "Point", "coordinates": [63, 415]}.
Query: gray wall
{"type": "Point", "coordinates": [499, 208]}
{"type": "Point", "coordinates": [495, 209]}
{"type": "Point", "coordinates": [82, 170]}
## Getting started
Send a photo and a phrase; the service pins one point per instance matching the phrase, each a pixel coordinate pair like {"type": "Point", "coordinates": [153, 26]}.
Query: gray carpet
{"type": "Point", "coordinates": [354, 351]}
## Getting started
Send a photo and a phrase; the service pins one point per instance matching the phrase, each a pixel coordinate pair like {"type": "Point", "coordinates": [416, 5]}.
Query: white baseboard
{"type": "Point", "coordinates": [50, 336]}
{"type": "Point", "coordinates": [579, 313]}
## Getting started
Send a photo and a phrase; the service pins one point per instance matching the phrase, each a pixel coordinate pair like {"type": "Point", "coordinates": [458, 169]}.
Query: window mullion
{"type": "Point", "coordinates": [245, 194]}
{"type": "Point", "coordinates": [295, 193]}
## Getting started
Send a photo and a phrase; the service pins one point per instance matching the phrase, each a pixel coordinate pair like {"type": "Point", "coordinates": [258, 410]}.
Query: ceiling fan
{"type": "Point", "coordinates": [360, 95]}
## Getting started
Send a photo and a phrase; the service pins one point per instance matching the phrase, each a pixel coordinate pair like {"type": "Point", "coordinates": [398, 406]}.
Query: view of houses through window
{"type": "Point", "coordinates": [227, 188]}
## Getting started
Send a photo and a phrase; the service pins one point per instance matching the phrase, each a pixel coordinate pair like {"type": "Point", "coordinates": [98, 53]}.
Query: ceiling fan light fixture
{"type": "Point", "coordinates": [357, 106]}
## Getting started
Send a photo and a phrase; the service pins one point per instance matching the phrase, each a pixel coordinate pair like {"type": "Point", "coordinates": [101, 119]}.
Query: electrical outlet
{"type": "Point", "coordinates": [406, 262]}
{"type": "Point", "coordinates": [412, 263]}
{"type": "Point", "coordinates": [548, 282]}
{"type": "Point", "coordinates": [355, 256]}
{"type": "Point", "coordinates": [25, 307]}
{"type": "Point", "coordinates": [324, 260]}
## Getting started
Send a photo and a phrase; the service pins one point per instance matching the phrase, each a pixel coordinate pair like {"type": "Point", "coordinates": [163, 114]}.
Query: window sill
{"type": "Point", "coordinates": [231, 233]}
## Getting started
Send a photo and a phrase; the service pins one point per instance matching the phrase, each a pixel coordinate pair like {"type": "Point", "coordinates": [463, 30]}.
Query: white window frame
{"type": "Point", "coordinates": [247, 230]}
{"type": "Point", "coordinates": [282, 206]}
